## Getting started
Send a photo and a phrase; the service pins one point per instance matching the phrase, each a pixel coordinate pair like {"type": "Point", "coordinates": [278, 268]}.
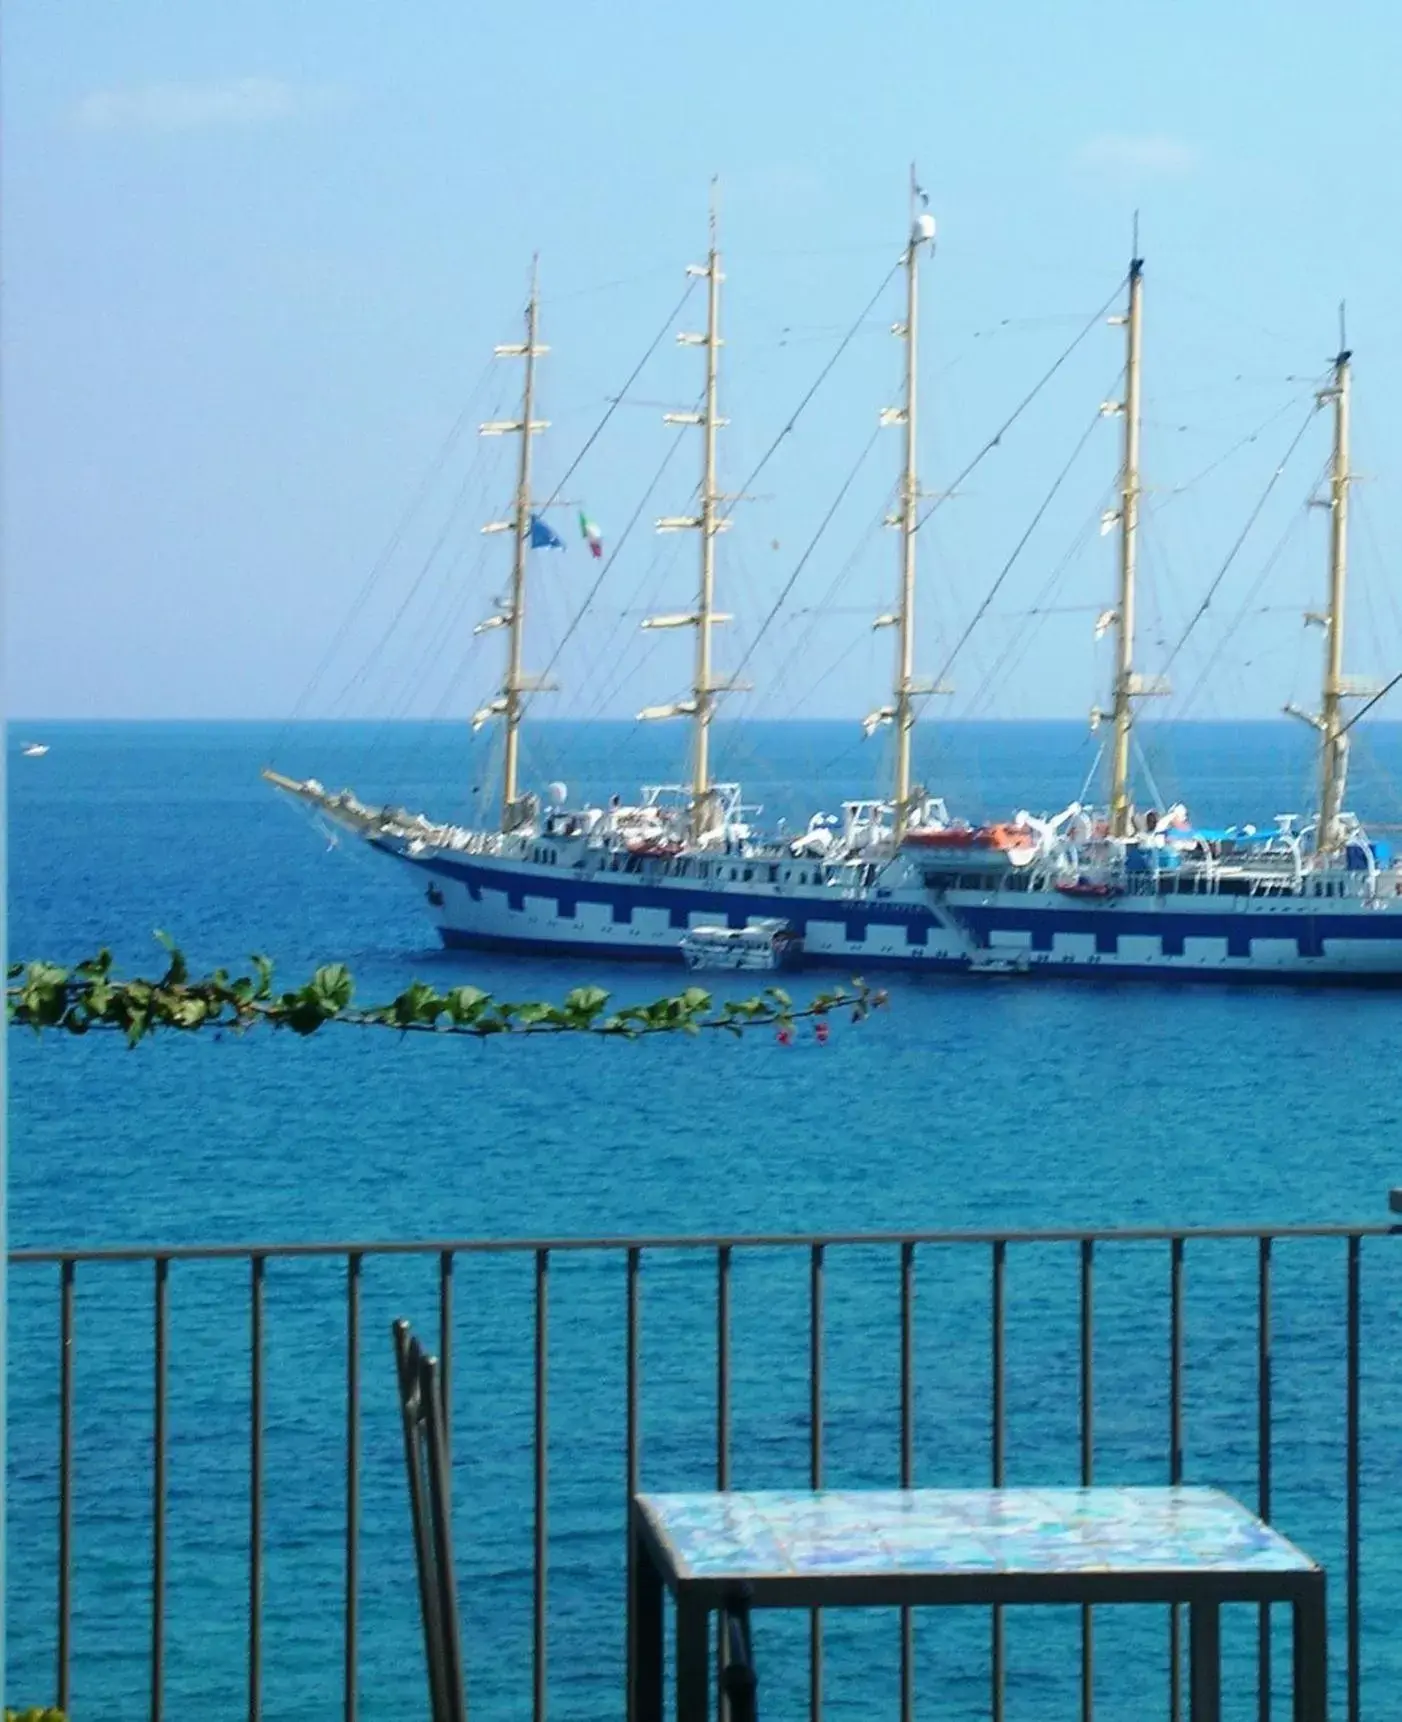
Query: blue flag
{"type": "Point", "coordinates": [544, 537]}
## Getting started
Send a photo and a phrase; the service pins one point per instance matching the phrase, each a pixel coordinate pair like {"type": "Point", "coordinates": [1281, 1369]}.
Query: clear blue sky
{"type": "Point", "coordinates": [256, 256]}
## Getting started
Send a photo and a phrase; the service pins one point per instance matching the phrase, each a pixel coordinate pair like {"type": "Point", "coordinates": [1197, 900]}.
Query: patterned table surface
{"type": "Point", "coordinates": [834, 1533]}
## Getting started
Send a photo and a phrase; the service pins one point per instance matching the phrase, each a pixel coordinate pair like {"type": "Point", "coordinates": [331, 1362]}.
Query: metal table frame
{"type": "Point", "coordinates": [1203, 1592]}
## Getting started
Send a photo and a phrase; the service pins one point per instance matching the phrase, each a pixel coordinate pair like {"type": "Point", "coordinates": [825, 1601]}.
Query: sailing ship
{"type": "Point", "coordinates": [1118, 889]}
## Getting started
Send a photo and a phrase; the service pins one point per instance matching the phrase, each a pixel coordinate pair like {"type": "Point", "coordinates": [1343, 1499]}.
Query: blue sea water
{"type": "Point", "coordinates": [965, 1105]}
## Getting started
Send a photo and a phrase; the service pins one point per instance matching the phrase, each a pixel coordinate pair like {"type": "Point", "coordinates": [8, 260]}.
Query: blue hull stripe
{"type": "Point", "coordinates": [945, 967]}
{"type": "Point", "coordinates": [680, 899]}
{"type": "Point", "coordinates": [1106, 925]}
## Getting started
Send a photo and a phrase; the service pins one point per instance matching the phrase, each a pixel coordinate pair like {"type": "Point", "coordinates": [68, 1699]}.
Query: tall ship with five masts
{"type": "Point", "coordinates": [1104, 890]}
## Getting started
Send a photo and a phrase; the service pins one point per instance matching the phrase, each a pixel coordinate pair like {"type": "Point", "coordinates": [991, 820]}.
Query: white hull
{"type": "Point", "coordinates": [491, 902]}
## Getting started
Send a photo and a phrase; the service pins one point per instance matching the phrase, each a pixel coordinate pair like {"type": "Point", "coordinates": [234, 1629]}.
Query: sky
{"type": "Point", "coordinates": [256, 259]}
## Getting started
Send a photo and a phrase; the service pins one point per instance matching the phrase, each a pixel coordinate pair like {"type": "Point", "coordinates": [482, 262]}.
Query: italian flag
{"type": "Point", "coordinates": [589, 532]}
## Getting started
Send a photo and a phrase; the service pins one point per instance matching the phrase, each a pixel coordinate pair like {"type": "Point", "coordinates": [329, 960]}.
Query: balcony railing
{"type": "Point", "coordinates": [207, 1514]}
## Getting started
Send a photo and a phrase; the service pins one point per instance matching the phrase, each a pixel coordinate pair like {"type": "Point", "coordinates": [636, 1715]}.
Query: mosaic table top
{"type": "Point", "coordinates": [836, 1533]}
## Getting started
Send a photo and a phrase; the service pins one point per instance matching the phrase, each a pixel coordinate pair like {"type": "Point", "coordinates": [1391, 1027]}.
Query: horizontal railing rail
{"type": "Point", "coordinates": [1274, 1369]}
{"type": "Point", "coordinates": [687, 1241]}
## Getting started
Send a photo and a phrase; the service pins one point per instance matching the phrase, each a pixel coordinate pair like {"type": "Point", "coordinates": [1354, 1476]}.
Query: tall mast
{"type": "Point", "coordinates": [1333, 730]}
{"type": "Point", "coordinates": [703, 692]}
{"type": "Point", "coordinates": [910, 496]}
{"type": "Point", "coordinates": [902, 713]}
{"type": "Point", "coordinates": [711, 521]}
{"type": "Point", "coordinates": [510, 703]}
{"type": "Point", "coordinates": [1127, 685]}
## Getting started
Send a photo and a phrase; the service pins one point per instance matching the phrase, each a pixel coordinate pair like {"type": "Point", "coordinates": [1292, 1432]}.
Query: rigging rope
{"type": "Point", "coordinates": [824, 608]}
{"type": "Point", "coordinates": [613, 406]}
{"type": "Point", "coordinates": [1241, 538]}
{"type": "Point", "coordinates": [812, 545]}
{"type": "Point", "coordinates": [459, 502]}
{"type": "Point", "coordinates": [821, 378]}
{"type": "Point", "coordinates": [1021, 408]}
{"type": "Point", "coordinates": [1222, 459]}
{"type": "Point", "coordinates": [613, 555]}
{"type": "Point", "coordinates": [618, 399]}
{"type": "Point", "coordinates": [1015, 648]}
{"type": "Point", "coordinates": [1017, 551]}
{"type": "Point", "coordinates": [1368, 704]}
{"type": "Point", "coordinates": [656, 573]}
{"type": "Point", "coordinates": [387, 551]}
{"type": "Point", "coordinates": [803, 404]}
{"type": "Point", "coordinates": [1266, 569]}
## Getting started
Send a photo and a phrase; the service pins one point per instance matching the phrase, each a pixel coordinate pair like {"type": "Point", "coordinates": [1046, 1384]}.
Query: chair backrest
{"type": "Point", "coordinates": [426, 1461]}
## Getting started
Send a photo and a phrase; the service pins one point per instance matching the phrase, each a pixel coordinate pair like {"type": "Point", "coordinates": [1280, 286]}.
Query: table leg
{"type": "Point", "coordinates": [1205, 1662]}
{"type": "Point", "coordinates": [645, 1635]}
{"type": "Point", "coordinates": [1312, 1655]}
{"type": "Point", "coordinates": [693, 1673]}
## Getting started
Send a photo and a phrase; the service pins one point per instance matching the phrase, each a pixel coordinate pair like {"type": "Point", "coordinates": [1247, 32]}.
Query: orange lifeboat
{"type": "Point", "coordinates": [942, 837]}
{"type": "Point", "coordinates": [1006, 836]}
{"type": "Point", "coordinates": [968, 837]}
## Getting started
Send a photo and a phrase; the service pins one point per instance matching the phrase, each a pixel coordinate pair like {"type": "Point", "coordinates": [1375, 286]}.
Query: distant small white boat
{"type": "Point", "coordinates": [34, 749]}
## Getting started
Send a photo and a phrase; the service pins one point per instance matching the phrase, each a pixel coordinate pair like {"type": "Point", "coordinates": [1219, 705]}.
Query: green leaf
{"type": "Point", "coordinates": [465, 1005]}
{"type": "Point", "coordinates": [335, 987]}
{"type": "Point", "coordinates": [418, 1003]}
{"type": "Point", "coordinates": [585, 1003]}
{"type": "Point", "coordinates": [265, 976]}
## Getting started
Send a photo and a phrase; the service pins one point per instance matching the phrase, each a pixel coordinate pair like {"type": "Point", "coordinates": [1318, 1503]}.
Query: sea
{"type": "Point", "coordinates": [986, 1105]}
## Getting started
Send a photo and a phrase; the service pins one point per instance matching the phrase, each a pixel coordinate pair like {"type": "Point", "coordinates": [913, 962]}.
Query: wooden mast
{"type": "Point", "coordinates": [516, 684]}
{"type": "Point", "coordinates": [910, 501]}
{"type": "Point", "coordinates": [703, 690]}
{"type": "Point", "coordinates": [1125, 686]}
{"type": "Point", "coordinates": [709, 522]}
{"type": "Point", "coordinates": [906, 689]}
{"type": "Point", "coordinates": [1332, 726]}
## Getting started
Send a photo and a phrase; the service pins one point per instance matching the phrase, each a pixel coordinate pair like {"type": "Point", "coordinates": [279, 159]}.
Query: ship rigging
{"type": "Point", "coordinates": [1122, 888]}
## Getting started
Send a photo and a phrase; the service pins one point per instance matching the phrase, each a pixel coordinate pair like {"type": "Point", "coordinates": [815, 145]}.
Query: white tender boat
{"type": "Point", "coordinates": [765, 944]}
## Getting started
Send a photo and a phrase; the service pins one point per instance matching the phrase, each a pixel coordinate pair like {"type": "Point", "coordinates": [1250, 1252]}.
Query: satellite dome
{"type": "Point", "coordinates": [557, 793]}
{"type": "Point", "coordinates": [924, 228]}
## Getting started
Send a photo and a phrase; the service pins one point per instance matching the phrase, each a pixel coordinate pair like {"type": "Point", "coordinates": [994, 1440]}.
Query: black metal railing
{"type": "Point", "coordinates": [834, 1406]}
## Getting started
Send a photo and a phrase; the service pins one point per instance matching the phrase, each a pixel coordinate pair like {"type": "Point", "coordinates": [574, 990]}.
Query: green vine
{"type": "Point", "coordinates": [42, 995]}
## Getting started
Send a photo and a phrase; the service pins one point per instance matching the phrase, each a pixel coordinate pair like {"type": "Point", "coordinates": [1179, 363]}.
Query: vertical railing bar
{"type": "Point", "coordinates": [633, 1468]}
{"type": "Point", "coordinates": [815, 1459]}
{"type": "Point", "coordinates": [1354, 1480]}
{"type": "Point", "coordinates": [65, 1478]}
{"type": "Point", "coordinates": [999, 1444]}
{"type": "Point", "coordinates": [446, 1260]}
{"type": "Point", "coordinates": [1263, 1459]}
{"type": "Point", "coordinates": [723, 1257]}
{"type": "Point", "coordinates": [542, 1503]}
{"type": "Point", "coordinates": [1175, 1458]}
{"type": "Point", "coordinates": [723, 1367]}
{"type": "Point", "coordinates": [255, 1489]}
{"type": "Point", "coordinates": [158, 1503]}
{"type": "Point", "coordinates": [907, 1366]}
{"type": "Point", "coordinates": [351, 1678]}
{"type": "Point", "coordinates": [907, 1459]}
{"type": "Point", "coordinates": [1087, 1457]}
